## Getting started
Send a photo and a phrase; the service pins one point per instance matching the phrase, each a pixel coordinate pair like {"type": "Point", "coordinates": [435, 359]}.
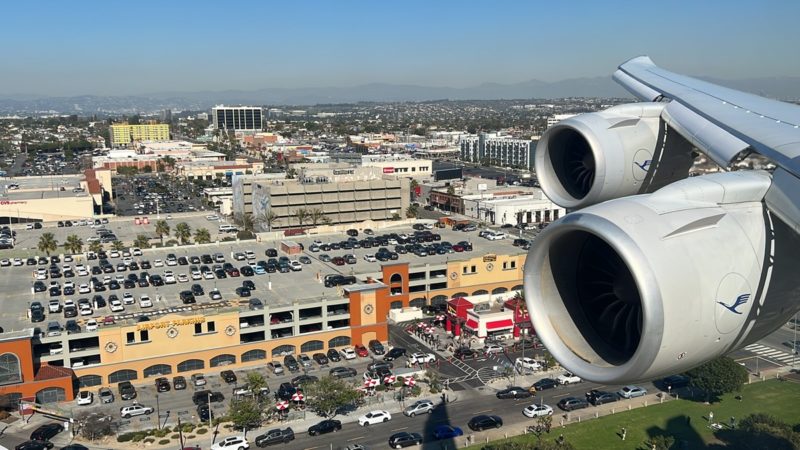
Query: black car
{"type": "Point", "coordinates": [204, 412]}
{"type": "Point", "coordinates": [320, 359]}
{"type": "Point", "coordinates": [544, 383]}
{"type": "Point", "coordinates": [242, 291]}
{"type": "Point", "coordinates": [246, 271]}
{"type": "Point", "coordinates": [514, 392]}
{"type": "Point", "coordinates": [326, 426]}
{"type": "Point", "coordinates": [197, 290]}
{"type": "Point", "coordinates": [596, 397]}
{"type": "Point", "coordinates": [394, 353]}
{"type": "Point", "coordinates": [303, 379]}
{"type": "Point", "coordinates": [46, 432]}
{"type": "Point", "coordinates": [34, 445]}
{"type": "Point", "coordinates": [162, 384]}
{"type": "Point", "coordinates": [376, 347]}
{"type": "Point", "coordinates": [179, 383]}
{"type": "Point", "coordinates": [483, 422]}
{"type": "Point", "coordinates": [464, 353]}
{"type": "Point", "coordinates": [204, 396]}
{"type": "Point", "coordinates": [333, 355]}
{"type": "Point", "coordinates": [674, 382]}
{"type": "Point", "coordinates": [271, 252]}
{"type": "Point", "coordinates": [572, 403]}
{"type": "Point", "coordinates": [291, 363]}
{"type": "Point", "coordinates": [285, 391]}
{"type": "Point", "coordinates": [404, 439]}
{"type": "Point", "coordinates": [249, 285]}
{"type": "Point", "coordinates": [187, 297]}
{"type": "Point", "coordinates": [343, 372]}
{"type": "Point", "coordinates": [39, 287]}
{"type": "Point", "coordinates": [276, 436]}
{"type": "Point", "coordinates": [126, 390]}
{"type": "Point", "coordinates": [228, 376]}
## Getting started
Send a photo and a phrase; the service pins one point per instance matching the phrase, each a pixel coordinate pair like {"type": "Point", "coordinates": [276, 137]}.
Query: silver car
{"type": "Point", "coordinates": [419, 407]}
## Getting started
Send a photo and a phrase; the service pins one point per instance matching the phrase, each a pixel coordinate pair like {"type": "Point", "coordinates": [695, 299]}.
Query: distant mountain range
{"type": "Point", "coordinates": [787, 88]}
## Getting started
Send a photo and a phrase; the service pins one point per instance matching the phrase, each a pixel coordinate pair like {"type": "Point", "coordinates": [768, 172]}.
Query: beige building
{"type": "Point", "coordinates": [124, 134]}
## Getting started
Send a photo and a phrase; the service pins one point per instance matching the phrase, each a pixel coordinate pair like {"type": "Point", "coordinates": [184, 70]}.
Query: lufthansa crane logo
{"type": "Point", "coordinates": [643, 165]}
{"type": "Point", "coordinates": [740, 300]}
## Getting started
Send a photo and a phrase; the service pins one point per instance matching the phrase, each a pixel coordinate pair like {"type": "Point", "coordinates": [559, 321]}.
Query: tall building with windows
{"type": "Point", "coordinates": [498, 151]}
{"type": "Point", "coordinates": [124, 134]}
{"type": "Point", "coordinates": [237, 118]}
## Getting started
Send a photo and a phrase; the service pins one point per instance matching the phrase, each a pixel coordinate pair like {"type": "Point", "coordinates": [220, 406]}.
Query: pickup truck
{"type": "Point", "coordinates": [568, 378]}
{"type": "Point", "coordinates": [276, 436]}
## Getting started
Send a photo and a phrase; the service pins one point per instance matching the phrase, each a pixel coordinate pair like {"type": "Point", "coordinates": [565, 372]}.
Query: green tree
{"type": "Point", "coordinates": [328, 395]}
{"type": "Point", "coordinates": [451, 190]}
{"type": "Point", "coordinates": [412, 186]}
{"type": "Point", "coordinates": [168, 161]}
{"type": "Point", "coordinates": [256, 382]}
{"type": "Point", "coordinates": [183, 232]}
{"type": "Point", "coordinates": [95, 246]}
{"type": "Point", "coordinates": [316, 215]}
{"type": "Point", "coordinates": [412, 211]}
{"type": "Point", "coordinates": [268, 218]}
{"type": "Point", "coordinates": [118, 246]}
{"type": "Point", "coordinates": [302, 215]}
{"type": "Point", "coordinates": [93, 426]}
{"type": "Point", "coordinates": [141, 241]}
{"type": "Point", "coordinates": [717, 377]}
{"type": "Point", "coordinates": [245, 413]}
{"type": "Point", "coordinates": [202, 236]}
{"type": "Point", "coordinates": [765, 431]}
{"type": "Point", "coordinates": [47, 243]}
{"type": "Point", "coordinates": [74, 244]}
{"type": "Point", "coordinates": [162, 229]}
{"type": "Point", "coordinates": [245, 221]}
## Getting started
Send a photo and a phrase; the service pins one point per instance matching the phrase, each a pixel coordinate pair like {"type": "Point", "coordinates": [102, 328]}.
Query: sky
{"type": "Point", "coordinates": [65, 48]}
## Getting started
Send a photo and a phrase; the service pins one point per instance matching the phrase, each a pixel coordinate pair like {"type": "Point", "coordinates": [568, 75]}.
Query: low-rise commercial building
{"type": "Point", "coordinates": [498, 151]}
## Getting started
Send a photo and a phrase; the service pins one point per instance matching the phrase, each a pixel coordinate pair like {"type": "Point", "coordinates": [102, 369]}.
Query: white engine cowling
{"type": "Point", "coordinates": [594, 157]}
{"type": "Point", "coordinates": [652, 285]}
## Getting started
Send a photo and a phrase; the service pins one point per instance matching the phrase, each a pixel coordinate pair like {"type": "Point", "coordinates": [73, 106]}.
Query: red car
{"type": "Point", "coordinates": [339, 261]}
{"type": "Point", "coordinates": [458, 249]}
{"type": "Point", "coordinates": [362, 351]}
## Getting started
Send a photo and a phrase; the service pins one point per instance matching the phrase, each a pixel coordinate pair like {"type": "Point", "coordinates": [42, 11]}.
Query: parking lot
{"type": "Point", "coordinates": [151, 194]}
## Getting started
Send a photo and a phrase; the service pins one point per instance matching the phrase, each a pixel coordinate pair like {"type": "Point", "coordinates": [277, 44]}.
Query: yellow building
{"type": "Point", "coordinates": [124, 134]}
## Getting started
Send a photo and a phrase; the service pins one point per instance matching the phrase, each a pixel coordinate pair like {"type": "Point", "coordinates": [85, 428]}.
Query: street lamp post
{"type": "Point", "coordinates": [158, 413]}
{"type": "Point", "coordinates": [209, 409]}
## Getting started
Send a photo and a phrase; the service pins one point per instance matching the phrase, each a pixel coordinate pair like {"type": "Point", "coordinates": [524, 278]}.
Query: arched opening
{"type": "Point", "coordinates": [283, 350]}
{"type": "Point", "coordinates": [460, 294]}
{"type": "Point", "coordinates": [123, 375]}
{"type": "Point", "coordinates": [396, 284]}
{"type": "Point", "coordinates": [254, 355]}
{"type": "Point", "coordinates": [10, 371]}
{"type": "Point", "coordinates": [480, 292]}
{"type": "Point", "coordinates": [396, 305]}
{"type": "Point", "coordinates": [223, 360]}
{"type": "Point", "coordinates": [396, 278]}
{"type": "Point", "coordinates": [157, 370]}
{"type": "Point", "coordinates": [90, 380]}
{"type": "Point", "coordinates": [312, 346]}
{"type": "Point", "coordinates": [417, 303]}
{"type": "Point", "coordinates": [439, 300]}
{"type": "Point", "coordinates": [500, 290]}
{"type": "Point", "coordinates": [51, 395]}
{"type": "Point", "coordinates": [190, 365]}
{"type": "Point", "coordinates": [517, 288]}
{"type": "Point", "coordinates": [339, 341]}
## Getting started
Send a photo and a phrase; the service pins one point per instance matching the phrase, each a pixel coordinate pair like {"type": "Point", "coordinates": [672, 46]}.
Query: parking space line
{"type": "Point", "coordinates": [484, 411]}
{"type": "Point", "coordinates": [356, 438]}
{"type": "Point", "coordinates": [561, 395]}
{"type": "Point", "coordinates": [400, 429]}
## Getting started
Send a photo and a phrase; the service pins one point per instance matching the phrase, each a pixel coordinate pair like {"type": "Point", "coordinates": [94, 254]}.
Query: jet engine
{"type": "Point", "coordinates": [590, 158]}
{"type": "Point", "coordinates": [651, 285]}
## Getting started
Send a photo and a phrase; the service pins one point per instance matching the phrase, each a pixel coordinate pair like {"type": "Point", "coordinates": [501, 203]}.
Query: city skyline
{"type": "Point", "coordinates": [105, 49]}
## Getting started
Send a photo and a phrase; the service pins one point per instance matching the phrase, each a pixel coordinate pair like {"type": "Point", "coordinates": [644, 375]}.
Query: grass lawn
{"type": "Point", "coordinates": [778, 398]}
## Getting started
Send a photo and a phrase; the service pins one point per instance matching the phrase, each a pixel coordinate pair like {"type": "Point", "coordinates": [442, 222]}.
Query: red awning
{"type": "Point", "coordinates": [505, 323]}
{"type": "Point", "coordinates": [471, 324]}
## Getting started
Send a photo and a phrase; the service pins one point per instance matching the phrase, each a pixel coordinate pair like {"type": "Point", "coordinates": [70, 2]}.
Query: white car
{"type": "Point", "coordinates": [85, 398]}
{"type": "Point", "coordinates": [208, 275]}
{"type": "Point", "coordinates": [496, 236]}
{"type": "Point", "coordinates": [421, 358]}
{"type": "Point", "coordinates": [69, 284]}
{"type": "Point", "coordinates": [91, 325]}
{"type": "Point", "coordinates": [537, 411]}
{"type": "Point", "coordinates": [199, 379]}
{"type": "Point", "coordinates": [196, 274]}
{"type": "Point", "coordinates": [231, 443]}
{"type": "Point", "coordinates": [531, 364]}
{"type": "Point", "coordinates": [183, 278]}
{"type": "Point", "coordinates": [86, 310]}
{"type": "Point", "coordinates": [295, 266]}
{"type": "Point", "coordinates": [169, 277]}
{"type": "Point", "coordinates": [348, 353]}
{"type": "Point", "coordinates": [127, 298]}
{"type": "Point", "coordinates": [492, 349]}
{"type": "Point", "coordinates": [134, 410]}
{"type": "Point", "coordinates": [373, 417]}
{"type": "Point", "coordinates": [17, 262]}
{"type": "Point", "coordinates": [250, 255]}
{"type": "Point", "coordinates": [116, 305]}
{"type": "Point", "coordinates": [54, 306]}
{"type": "Point", "coordinates": [136, 251]}
{"type": "Point", "coordinates": [158, 263]}
{"type": "Point", "coordinates": [212, 217]}
{"type": "Point", "coordinates": [568, 378]}
{"type": "Point", "coordinates": [84, 289]}
{"type": "Point", "coordinates": [632, 392]}
{"type": "Point", "coordinates": [145, 302]}
{"type": "Point", "coordinates": [369, 257]}
{"type": "Point", "coordinates": [113, 254]}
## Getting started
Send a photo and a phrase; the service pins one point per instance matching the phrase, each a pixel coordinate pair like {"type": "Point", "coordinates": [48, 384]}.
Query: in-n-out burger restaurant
{"type": "Point", "coordinates": [486, 319]}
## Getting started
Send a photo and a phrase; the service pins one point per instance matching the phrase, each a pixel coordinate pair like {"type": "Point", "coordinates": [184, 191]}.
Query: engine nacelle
{"type": "Point", "coordinates": [595, 157]}
{"type": "Point", "coordinates": [652, 285]}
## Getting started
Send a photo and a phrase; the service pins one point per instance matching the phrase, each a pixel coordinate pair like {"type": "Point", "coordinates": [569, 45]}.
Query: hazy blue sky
{"type": "Point", "coordinates": [134, 47]}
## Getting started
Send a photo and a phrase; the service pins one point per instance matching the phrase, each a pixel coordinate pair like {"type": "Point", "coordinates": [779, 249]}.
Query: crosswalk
{"type": "Point", "coordinates": [773, 354]}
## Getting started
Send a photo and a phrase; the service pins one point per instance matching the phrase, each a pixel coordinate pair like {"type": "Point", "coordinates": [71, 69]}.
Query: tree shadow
{"type": "Point", "coordinates": [681, 429]}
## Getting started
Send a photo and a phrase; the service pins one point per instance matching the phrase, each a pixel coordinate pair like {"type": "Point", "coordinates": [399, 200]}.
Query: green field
{"type": "Point", "coordinates": [779, 398]}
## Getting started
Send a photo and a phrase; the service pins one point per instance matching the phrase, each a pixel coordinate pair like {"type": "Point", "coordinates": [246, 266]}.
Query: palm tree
{"type": "Point", "coordinates": [245, 221]}
{"type": "Point", "coordinates": [268, 218]}
{"type": "Point", "coordinates": [412, 186]}
{"type": "Point", "coordinates": [183, 232]}
{"type": "Point", "coordinates": [202, 236]}
{"type": "Point", "coordinates": [301, 214]}
{"type": "Point", "coordinates": [142, 241]}
{"type": "Point", "coordinates": [95, 246]}
{"type": "Point", "coordinates": [451, 190]}
{"type": "Point", "coordinates": [411, 212]}
{"type": "Point", "coordinates": [118, 246]}
{"type": "Point", "coordinates": [316, 215]}
{"type": "Point", "coordinates": [47, 243]}
{"type": "Point", "coordinates": [168, 161]}
{"type": "Point", "coordinates": [162, 229]}
{"type": "Point", "coordinates": [74, 244]}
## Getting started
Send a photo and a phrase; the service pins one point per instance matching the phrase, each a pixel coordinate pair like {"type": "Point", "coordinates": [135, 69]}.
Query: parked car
{"type": "Point", "coordinates": [544, 384]}
{"type": "Point", "coordinates": [84, 398]}
{"type": "Point", "coordinates": [421, 358]}
{"type": "Point", "coordinates": [46, 432]}
{"type": "Point", "coordinates": [394, 353]}
{"type": "Point", "coordinates": [373, 417]}
{"type": "Point", "coordinates": [572, 403]}
{"type": "Point", "coordinates": [198, 379]}
{"type": "Point", "coordinates": [632, 392]}
{"type": "Point", "coordinates": [333, 355]}
{"type": "Point", "coordinates": [674, 382]}
{"type": "Point", "coordinates": [276, 436]}
{"type": "Point", "coordinates": [162, 384]}
{"type": "Point", "coordinates": [528, 363]}
{"type": "Point", "coordinates": [404, 439]}
{"type": "Point", "coordinates": [232, 443]}
{"type": "Point", "coordinates": [568, 378]}
{"type": "Point", "coordinates": [514, 392]}
{"type": "Point", "coordinates": [275, 367]}
{"type": "Point", "coordinates": [326, 426]}
{"type": "Point", "coordinates": [361, 351]}
{"type": "Point", "coordinates": [376, 347]}
{"type": "Point", "coordinates": [126, 390]}
{"type": "Point", "coordinates": [349, 353]}
{"type": "Point", "coordinates": [597, 397]}
{"type": "Point", "coordinates": [126, 412]}
{"type": "Point", "coordinates": [106, 395]}
{"type": "Point", "coordinates": [228, 376]}
{"type": "Point", "coordinates": [419, 407]}
{"type": "Point", "coordinates": [179, 383]}
{"type": "Point", "coordinates": [537, 410]}
{"type": "Point", "coordinates": [483, 422]}
{"type": "Point", "coordinates": [34, 445]}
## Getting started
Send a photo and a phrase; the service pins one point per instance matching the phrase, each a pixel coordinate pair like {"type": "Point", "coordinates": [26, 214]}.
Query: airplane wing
{"type": "Point", "coordinates": [720, 121]}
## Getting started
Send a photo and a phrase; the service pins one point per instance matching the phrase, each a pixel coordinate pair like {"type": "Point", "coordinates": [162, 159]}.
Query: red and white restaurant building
{"type": "Point", "coordinates": [485, 319]}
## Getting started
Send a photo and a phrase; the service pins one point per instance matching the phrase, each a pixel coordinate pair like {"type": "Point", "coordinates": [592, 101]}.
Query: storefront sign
{"type": "Point", "coordinates": [388, 170]}
{"type": "Point", "coordinates": [491, 257]}
{"type": "Point", "coordinates": [170, 323]}
{"type": "Point", "coordinates": [344, 172]}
